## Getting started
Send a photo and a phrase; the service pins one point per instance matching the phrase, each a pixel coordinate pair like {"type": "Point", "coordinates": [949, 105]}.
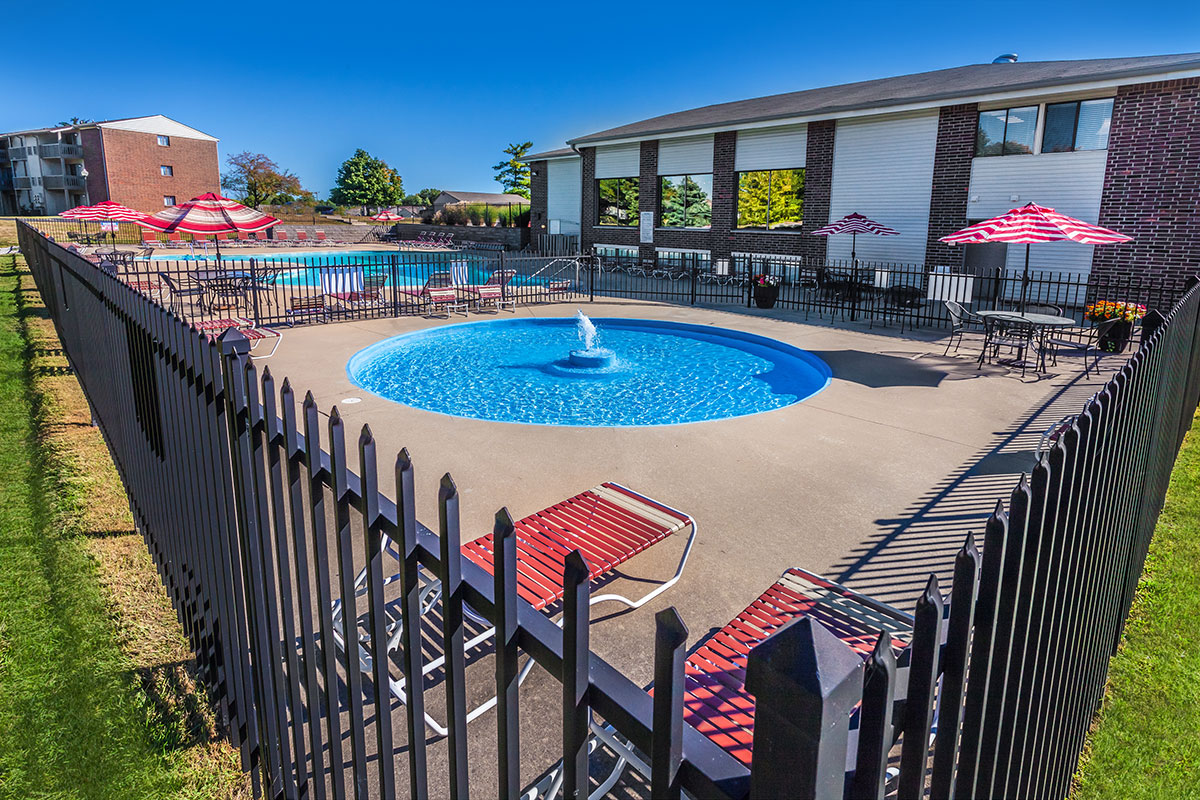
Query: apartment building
{"type": "Point", "coordinates": [1110, 141]}
{"type": "Point", "coordinates": [146, 163]}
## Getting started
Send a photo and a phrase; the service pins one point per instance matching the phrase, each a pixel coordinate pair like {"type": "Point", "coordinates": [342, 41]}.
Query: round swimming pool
{"type": "Point", "coordinates": [517, 370]}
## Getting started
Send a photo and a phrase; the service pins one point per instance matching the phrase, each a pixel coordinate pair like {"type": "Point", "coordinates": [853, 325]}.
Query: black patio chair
{"type": "Point", "coordinates": [962, 322]}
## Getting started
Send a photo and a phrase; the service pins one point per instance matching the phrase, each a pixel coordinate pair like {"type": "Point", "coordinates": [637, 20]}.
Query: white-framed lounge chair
{"type": "Point", "coordinates": [256, 335]}
{"type": "Point", "coordinates": [608, 524]}
{"type": "Point", "coordinates": [438, 292]}
{"type": "Point", "coordinates": [715, 700]}
{"type": "Point", "coordinates": [494, 290]}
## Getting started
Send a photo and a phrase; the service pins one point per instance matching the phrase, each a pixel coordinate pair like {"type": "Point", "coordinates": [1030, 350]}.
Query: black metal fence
{"type": "Point", "coordinates": [910, 295]}
{"type": "Point", "coordinates": [259, 522]}
{"type": "Point", "coordinates": [273, 290]}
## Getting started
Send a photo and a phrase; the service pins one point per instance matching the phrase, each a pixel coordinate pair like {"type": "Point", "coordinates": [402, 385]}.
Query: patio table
{"type": "Point", "coordinates": [1040, 322]}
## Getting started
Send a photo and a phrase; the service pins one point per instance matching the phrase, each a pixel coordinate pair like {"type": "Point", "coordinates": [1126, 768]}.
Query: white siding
{"type": "Point", "coordinates": [883, 168]}
{"type": "Point", "coordinates": [1067, 182]}
{"type": "Point", "coordinates": [693, 155]}
{"type": "Point", "coordinates": [772, 148]}
{"type": "Point", "coordinates": [158, 124]}
{"type": "Point", "coordinates": [619, 161]}
{"type": "Point", "coordinates": [564, 193]}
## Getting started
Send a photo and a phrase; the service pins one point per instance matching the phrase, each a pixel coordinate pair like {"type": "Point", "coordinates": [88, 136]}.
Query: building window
{"type": "Point", "coordinates": [1006, 131]}
{"type": "Point", "coordinates": [164, 141]}
{"type": "Point", "coordinates": [166, 170]}
{"type": "Point", "coordinates": [685, 201]}
{"type": "Point", "coordinates": [1081, 125]}
{"type": "Point", "coordinates": [617, 201]}
{"type": "Point", "coordinates": [771, 199]}
{"type": "Point", "coordinates": [168, 200]}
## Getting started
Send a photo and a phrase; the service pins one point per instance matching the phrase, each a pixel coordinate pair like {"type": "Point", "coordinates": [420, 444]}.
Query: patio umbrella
{"type": "Point", "coordinates": [854, 224]}
{"type": "Point", "coordinates": [1032, 224]}
{"type": "Point", "coordinates": [209, 213]}
{"type": "Point", "coordinates": [387, 215]}
{"type": "Point", "coordinates": [105, 211]}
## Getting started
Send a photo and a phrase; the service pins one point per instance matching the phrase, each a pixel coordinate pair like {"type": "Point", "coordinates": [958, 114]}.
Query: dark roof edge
{"type": "Point", "coordinates": [830, 111]}
{"type": "Point", "coordinates": [564, 152]}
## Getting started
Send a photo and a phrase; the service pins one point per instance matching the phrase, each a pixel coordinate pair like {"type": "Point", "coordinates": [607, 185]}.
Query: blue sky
{"type": "Point", "coordinates": [439, 89]}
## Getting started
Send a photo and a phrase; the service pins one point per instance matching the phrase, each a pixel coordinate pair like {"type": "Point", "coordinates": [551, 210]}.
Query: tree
{"type": "Point", "coordinates": [75, 121]}
{"type": "Point", "coordinates": [686, 203]}
{"type": "Point", "coordinates": [513, 174]}
{"type": "Point", "coordinates": [425, 197]}
{"type": "Point", "coordinates": [254, 179]}
{"type": "Point", "coordinates": [366, 182]}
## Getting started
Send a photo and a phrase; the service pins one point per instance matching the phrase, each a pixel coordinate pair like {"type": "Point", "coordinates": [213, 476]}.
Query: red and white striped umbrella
{"type": "Point", "coordinates": [1031, 224]}
{"type": "Point", "coordinates": [854, 224]}
{"type": "Point", "coordinates": [387, 215]}
{"type": "Point", "coordinates": [1034, 224]}
{"type": "Point", "coordinates": [209, 213]}
{"type": "Point", "coordinates": [106, 210]}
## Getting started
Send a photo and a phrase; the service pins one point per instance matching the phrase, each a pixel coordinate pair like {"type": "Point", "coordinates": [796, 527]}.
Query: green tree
{"type": "Point", "coordinates": [513, 173]}
{"type": "Point", "coordinates": [366, 182]}
{"type": "Point", "coordinates": [424, 197]}
{"type": "Point", "coordinates": [75, 121]}
{"type": "Point", "coordinates": [254, 179]}
{"type": "Point", "coordinates": [686, 202]}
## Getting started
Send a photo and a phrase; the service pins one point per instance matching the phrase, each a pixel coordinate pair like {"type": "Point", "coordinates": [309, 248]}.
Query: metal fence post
{"type": "Point", "coordinates": [576, 651]}
{"type": "Point", "coordinates": [805, 681]}
{"type": "Point", "coordinates": [254, 290]}
{"type": "Point", "coordinates": [666, 743]}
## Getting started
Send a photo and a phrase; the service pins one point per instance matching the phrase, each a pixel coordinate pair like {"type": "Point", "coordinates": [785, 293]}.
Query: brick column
{"type": "Point", "coordinates": [951, 181]}
{"type": "Point", "coordinates": [587, 209]}
{"type": "Point", "coordinates": [539, 186]}
{"type": "Point", "coordinates": [648, 192]}
{"type": "Point", "coordinates": [1152, 182]}
{"type": "Point", "coordinates": [818, 183]}
{"type": "Point", "coordinates": [724, 200]}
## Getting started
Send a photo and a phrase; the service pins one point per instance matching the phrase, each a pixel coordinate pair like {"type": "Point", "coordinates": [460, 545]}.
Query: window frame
{"type": "Point", "coordinates": [1074, 148]}
{"type": "Point", "coordinates": [658, 214]}
{"type": "Point", "coordinates": [170, 197]}
{"type": "Point", "coordinates": [163, 140]}
{"type": "Point", "coordinates": [737, 178]}
{"type": "Point", "coordinates": [1038, 128]}
{"type": "Point", "coordinates": [166, 170]}
{"type": "Point", "coordinates": [621, 189]}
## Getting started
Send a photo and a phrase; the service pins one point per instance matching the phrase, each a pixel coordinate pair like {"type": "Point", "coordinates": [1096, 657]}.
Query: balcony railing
{"type": "Point", "coordinates": [63, 182]}
{"type": "Point", "coordinates": [26, 183]}
{"type": "Point", "coordinates": [18, 153]}
{"type": "Point", "coordinates": [61, 150]}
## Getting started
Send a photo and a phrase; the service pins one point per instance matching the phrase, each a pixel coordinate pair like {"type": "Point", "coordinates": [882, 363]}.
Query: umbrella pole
{"type": "Point", "coordinates": [1025, 279]}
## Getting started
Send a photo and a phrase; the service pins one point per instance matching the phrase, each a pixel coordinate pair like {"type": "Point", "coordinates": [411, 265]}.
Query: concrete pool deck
{"type": "Point", "coordinates": [874, 481]}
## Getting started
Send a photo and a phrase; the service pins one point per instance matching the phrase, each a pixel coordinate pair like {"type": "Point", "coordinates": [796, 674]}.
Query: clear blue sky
{"type": "Point", "coordinates": [438, 89]}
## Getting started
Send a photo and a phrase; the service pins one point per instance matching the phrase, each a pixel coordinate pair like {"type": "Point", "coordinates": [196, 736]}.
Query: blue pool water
{"type": "Point", "coordinates": [515, 370]}
{"type": "Point", "coordinates": [304, 268]}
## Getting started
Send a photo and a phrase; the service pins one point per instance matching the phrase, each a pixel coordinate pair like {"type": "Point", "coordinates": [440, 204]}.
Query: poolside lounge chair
{"type": "Point", "coordinates": [301, 237]}
{"type": "Point", "coordinates": [438, 292]}
{"type": "Point", "coordinates": [174, 240]}
{"type": "Point", "coordinates": [149, 237]}
{"type": "Point", "coordinates": [609, 525]}
{"type": "Point", "coordinates": [281, 238]}
{"type": "Point", "coordinates": [357, 289]}
{"type": "Point", "coordinates": [306, 306]}
{"type": "Point", "coordinates": [493, 290]}
{"type": "Point", "coordinates": [715, 700]}
{"type": "Point", "coordinates": [256, 335]}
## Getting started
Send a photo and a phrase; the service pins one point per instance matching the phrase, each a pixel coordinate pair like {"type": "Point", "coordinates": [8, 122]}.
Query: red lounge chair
{"type": "Point", "coordinates": [174, 240]}
{"type": "Point", "coordinates": [438, 291]}
{"type": "Point", "coordinates": [149, 237]}
{"type": "Point", "coordinates": [301, 237]}
{"type": "Point", "coordinates": [321, 237]}
{"type": "Point", "coordinates": [245, 238]}
{"type": "Point", "coordinates": [493, 290]}
{"type": "Point", "coordinates": [281, 237]}
{"type": "Point", "coordinates": [715, 700]}
{"type": "Point", "coordinates": [609, 525]}
{"type": "Point", "coordinates": [256, 335]}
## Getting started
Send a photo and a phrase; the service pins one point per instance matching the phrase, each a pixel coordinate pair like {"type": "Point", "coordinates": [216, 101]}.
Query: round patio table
{"type": "Point", "coordinates": [1040, 322]}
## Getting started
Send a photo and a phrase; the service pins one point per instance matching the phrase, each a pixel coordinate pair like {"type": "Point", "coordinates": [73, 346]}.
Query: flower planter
{"type": "Point", "coordinates": [1116, 339]}
{"type": "Point", "coordinates": [765, 296]}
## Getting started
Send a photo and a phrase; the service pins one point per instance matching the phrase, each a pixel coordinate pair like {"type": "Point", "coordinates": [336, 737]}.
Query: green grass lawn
{"type": "Point", "coordinates": [1146, 743]}
{"type": "Point", "coordinates": [78, 717]}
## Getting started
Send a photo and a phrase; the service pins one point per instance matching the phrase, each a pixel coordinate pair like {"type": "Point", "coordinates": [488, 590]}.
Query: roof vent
{"type": "Point", "coordinates": [1007, 58]}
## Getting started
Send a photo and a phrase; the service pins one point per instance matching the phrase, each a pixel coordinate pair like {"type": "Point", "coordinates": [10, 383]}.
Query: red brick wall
{"type": "Point", "coordinates": [93, 161]}
{"type": "Point", "coordinates": [951, 181]}
{"type": "Point", "coordinates": [1152, 182]}
{"type": "Point", "coordinates": [133, 160]}
{"type": "Point", "coordinates": [539, 198]}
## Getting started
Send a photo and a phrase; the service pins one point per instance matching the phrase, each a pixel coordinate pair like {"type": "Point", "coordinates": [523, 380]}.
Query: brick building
{"type": "Point", "coordinates": [146, 163]}
{"type": "Point", "coordinates": [1113, 141]}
